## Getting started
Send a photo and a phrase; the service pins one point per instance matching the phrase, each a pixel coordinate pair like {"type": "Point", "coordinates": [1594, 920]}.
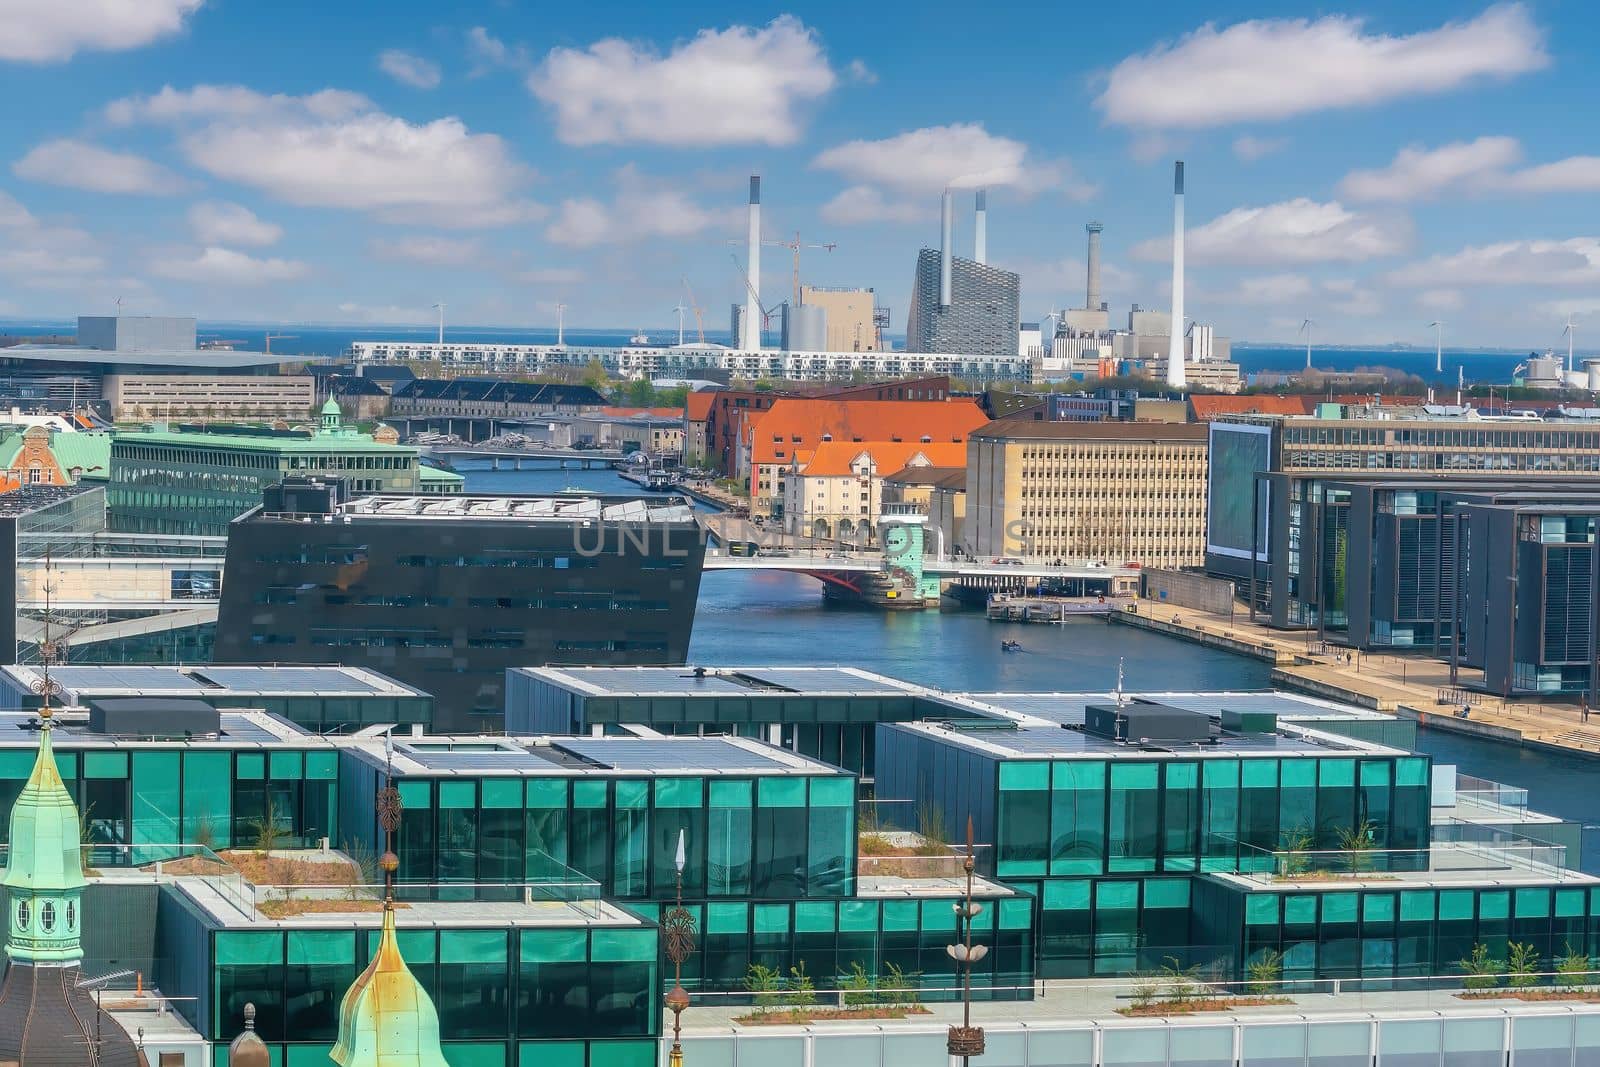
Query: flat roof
{"type": "Point", "coordinates": [192, 358]}
{"type": "Point", "coordinates": [462, 507]}
{"type": "Point", "coordinates": [286, 442]}
{"type": "Point", "coordinates": [1067, 709]}
{"type": "Point", "coordinates": [240, 729]}
{"type": "Point", "coordinates": [1054, 742]}
{"type": "Point", "coordinates": [481, 756]}
{"type": "Point", "coordinates": [80, 682]}
{"type": "Point", "coordinates": [723, 681]}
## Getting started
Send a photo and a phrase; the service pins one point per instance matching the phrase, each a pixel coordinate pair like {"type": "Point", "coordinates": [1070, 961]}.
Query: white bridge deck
{"type": "Point", "coordinates": [868, 562]}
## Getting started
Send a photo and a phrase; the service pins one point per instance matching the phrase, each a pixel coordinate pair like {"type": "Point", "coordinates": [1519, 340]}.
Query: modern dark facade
{"type": "Point", "coordinates": [1492, 574]}
{"type": "Point", "coordinates": [445, 594]}
{"type": "Point", "coordinates": [982, 318]}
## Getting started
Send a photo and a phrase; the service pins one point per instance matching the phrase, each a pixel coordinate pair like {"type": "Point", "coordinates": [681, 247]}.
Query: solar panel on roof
{"type": "Point", "coordinates": [624, 754]}
{"type": "Point", "coordinates": [503, 759]}
{"type": "Point", "coordinates": [288, 679]}
{"type": "Point", "coordinates": [101, 679]}
{"type": "Point", "coordinates": [240, 728]}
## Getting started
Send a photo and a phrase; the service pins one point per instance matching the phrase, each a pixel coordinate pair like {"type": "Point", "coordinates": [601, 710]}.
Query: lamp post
{"type": "Point", "coordinates": [677, 927]}
{"type": "Point", "coordinates": [966, 1040]}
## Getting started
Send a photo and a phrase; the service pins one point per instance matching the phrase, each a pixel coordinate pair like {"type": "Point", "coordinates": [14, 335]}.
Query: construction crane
{"type": "Point", "coordinates": [271, 337]}
{"type": "Point", "coordinates": [699, 319]}
{"type": "Point", "coordinates": [795, 246]}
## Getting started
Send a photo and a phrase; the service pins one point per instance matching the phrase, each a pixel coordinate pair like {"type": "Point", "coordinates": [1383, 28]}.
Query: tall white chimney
{"type": "Point", "coordinates": [980, 233]}
{"type": "Point", "coordinates": [945, 251]}
{"type": "Point", "coordinates": [751, 342]}
{"type": "Point", "coordinates": [1175, 373]}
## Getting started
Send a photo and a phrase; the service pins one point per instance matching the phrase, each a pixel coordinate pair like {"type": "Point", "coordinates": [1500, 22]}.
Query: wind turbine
{"type": "Point", "coordinates": [1438, 350]}
{"type": "Point", "coordinates": [1572, 328]}
{"type": "Point", "coordinates": [680, 309]}
{"type": "Point", "coordinates": [440, 309]}
{"type": "Point", "coordinates": [1305, 328]}
{"type": "Point", "coordinates": [561, 325]}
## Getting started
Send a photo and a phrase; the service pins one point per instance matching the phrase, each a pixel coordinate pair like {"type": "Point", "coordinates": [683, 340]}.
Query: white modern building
{"type": "Point", "coordinates": [691, 361]}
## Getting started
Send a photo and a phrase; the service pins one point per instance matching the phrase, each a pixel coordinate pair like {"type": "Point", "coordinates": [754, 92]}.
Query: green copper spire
{"type": "Point", "coordinates": [44, 871]}
{"type": "Point", "coordinates": [332, 416]}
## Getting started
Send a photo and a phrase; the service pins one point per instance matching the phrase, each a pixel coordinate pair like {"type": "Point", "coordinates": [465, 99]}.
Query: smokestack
{"type": "Point", "coordinates": [1091, 297]}
{"type": "Point", "coordinates": [945, 252]}
{"type": "Point", "coordinates": [751, 342]}
{"type": "Point", "coordinates": [980, 238]}
{"type": "Point", "coordinates": [1175, 372]}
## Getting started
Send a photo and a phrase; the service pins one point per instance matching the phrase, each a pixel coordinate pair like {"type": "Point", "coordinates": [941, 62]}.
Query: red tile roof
{"type": "Point", "coordinates": [832, 459]}
{"type": "Point", "coordinates": [697, 406]}
{"type": "Point", "coordinates": [1207, 407]}
{"type": "Point", "coordinates": [794, 424]}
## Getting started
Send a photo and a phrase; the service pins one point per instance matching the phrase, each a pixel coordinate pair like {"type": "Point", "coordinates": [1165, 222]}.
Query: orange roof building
{"type": "Point", "coordinates": [795, 425]}
{"type": "Point", "coordinates": [835, 491]}
{"type": "Point", "coordinates": [1206, 407]}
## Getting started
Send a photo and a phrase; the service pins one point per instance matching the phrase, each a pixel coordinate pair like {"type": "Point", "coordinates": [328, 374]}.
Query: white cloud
{"type": "Point", "coordinates": [1278, 68]}
{"type": "Point", "coordinates": [551, 276]}
{"type": "Point", "coordinates": [1289, 232]}
{"type": "Point", "coordinates": [858, 71]}
{"type": "Point", "coordinates": [1441, 299]}
{"type": "Point", "coordinates": [48, 32]}
{"type": "Point", "coordinates": [742, 85]}
{"type": "Point", "coordinates": [1249, 148]}
{"type": "Point", "coordinates": [641, 209]}
{"type": "Point", "coordinates": [1148, 147]}
{"type": "Point", "coordinates": [867, 204]}
{"type": "Point", "coordinates": [408, 69]}
{"type": "Point", "coordinates": [488, 52]}
{"type": "Point", "coordinates": [224, 266]}
{"type": "Point", "coordinates": [1575, 261]}
{"type": "Point", "coordinates": [437, 251]}
{"type": "Point", "coordinates": [935, 157]}
{"type": "Point", "coordinates": [36, 252]}
{"type": "Point", "coordinates": [1271, 289]}
{"type": "Point", "coordinates": [333, 149]}
{"type": "Point", "coordinates": [1417, 173]}
{"type": "Point", "coordinates": [386, 313]}
{"type": "Point", "coordinates": [1579, 307]}
{"type": "Point", "coordinates": [1576, 174]}
{"type": "Point", "coordinates": [217, 222]}
{"type": "Point", "coordinates": [80, 165]}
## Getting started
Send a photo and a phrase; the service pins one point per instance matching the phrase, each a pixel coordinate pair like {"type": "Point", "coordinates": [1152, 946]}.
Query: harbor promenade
{"type": "Point", "coordinates": [1412, 686]}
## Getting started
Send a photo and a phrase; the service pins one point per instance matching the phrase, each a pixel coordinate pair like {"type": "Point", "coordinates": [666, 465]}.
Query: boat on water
{"type": "Point", "coordinates": [1011, 646]}
{"type": "Point", "coordinates": [640, 338]}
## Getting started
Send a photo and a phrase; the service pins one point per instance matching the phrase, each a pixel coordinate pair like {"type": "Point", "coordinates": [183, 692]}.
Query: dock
{"type": "Point", "coordinates": [1006, 607]}
{"type": "Point", "coordinates": [1413, 687]}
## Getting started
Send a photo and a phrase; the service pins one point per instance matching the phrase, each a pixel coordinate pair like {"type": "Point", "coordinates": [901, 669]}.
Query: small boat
{"type": "Point", "coordinates": [1011, 646]}
{"type": "Point", "coordinates": [640, 338]}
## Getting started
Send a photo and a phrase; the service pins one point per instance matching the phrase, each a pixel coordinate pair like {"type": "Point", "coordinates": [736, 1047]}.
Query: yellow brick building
{"type": "Point", "coordinates": [1104, 491]}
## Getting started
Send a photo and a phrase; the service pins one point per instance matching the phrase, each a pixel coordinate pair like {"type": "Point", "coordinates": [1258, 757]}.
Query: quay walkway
{"type": "Point", "coordinates": [1417, 687]}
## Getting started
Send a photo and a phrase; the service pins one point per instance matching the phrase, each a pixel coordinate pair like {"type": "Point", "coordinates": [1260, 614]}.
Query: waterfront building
{"type": "Point", "coordinates": [446, 593]}
{"type": "Point", "coordinates": [793, 425]}
{"type": "Point", "coordinates": [1111, 492]}
{"type": "Point", "coordinates": [194, 480]}
{"type": "Point", "coordinates": [978, 315]}
{"type": "Point", "coordinates": [116, 355]}
{"type": "Point", "coordinates": [365, 399]}
{"type": "Point", "coordinates": [700, 361]}
{"type": "Point", "coordinates": [1121, 833]}
{"type": "Point", "coordinates": [836, 491]}
{"type": "Point", "coordinates": [236, 396]}
{"type": "Point", "coordinates": [492, 398]}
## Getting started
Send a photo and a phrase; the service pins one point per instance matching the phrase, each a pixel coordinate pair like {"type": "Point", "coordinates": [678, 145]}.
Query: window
{"type": "Point", "coordinates": [47, 916]}
{"type": "Point", "coordinates": [22, 915]}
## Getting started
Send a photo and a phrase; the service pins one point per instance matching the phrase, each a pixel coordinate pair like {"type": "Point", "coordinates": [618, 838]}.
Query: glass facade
{"type": "Point", "coordinates": [504, 995]}
{"type": "Point", "coordinates": [774, 837]}
{"type": "Point", "coordinates": [1130, 816]}
{"type": "Point", "coordinates": [1395, 933]}
{"type": "Point", "coordinates": [190, 794]}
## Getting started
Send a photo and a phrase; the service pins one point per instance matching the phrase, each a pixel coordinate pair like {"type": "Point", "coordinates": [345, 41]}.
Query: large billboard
{"type": "Point", "coordinates": [1238, 452]}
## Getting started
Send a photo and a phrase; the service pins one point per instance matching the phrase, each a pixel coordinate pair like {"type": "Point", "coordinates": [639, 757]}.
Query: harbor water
{"type": "Point", "coordinates": [758, 619]}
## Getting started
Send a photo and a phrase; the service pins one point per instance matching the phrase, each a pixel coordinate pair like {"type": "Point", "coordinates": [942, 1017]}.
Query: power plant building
{"type": "Point", "coordinates": [963, 305]}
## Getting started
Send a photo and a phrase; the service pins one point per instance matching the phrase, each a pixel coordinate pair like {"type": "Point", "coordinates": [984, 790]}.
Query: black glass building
{"type": "Point", "coordinates": [445, 594]}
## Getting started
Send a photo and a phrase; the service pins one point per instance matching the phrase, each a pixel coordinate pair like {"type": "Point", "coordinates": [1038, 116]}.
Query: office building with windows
{"type": "Point", "coordinates": [196, 481]}
{"type": "Point", "coordinates": [1115, 834]}
{"type": "Point", "coordinates": [445, 594]}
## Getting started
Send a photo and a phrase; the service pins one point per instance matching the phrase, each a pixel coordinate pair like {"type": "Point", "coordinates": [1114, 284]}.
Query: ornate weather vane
{"type": "Point", "coordinates": [45, 686]}
{"type": "Point", "coordinates": [966, 1040]}
{"type": "Point", "coordinates": [677, 932]}
{"type": "Point", "coordinates": [389, 807]}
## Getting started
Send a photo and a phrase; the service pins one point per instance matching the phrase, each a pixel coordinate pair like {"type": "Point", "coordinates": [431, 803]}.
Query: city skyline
{"type": "Point", "coordinates": [1375, 174]}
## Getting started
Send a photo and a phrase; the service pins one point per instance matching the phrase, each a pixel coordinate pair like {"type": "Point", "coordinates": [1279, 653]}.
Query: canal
{"type": "Point", "coordinates": [754, 619]}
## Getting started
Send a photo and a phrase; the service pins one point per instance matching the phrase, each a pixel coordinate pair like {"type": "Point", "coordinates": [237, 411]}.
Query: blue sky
{"type": "Point", "coordinates": [1371, 168]}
